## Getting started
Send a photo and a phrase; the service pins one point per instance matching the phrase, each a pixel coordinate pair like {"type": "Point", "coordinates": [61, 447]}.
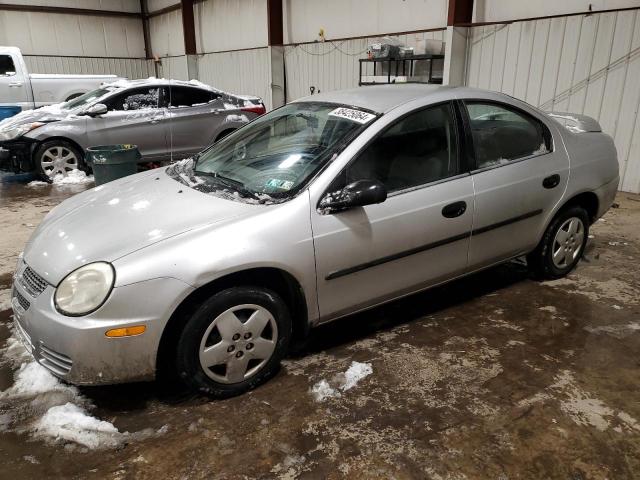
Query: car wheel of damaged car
{"type": "Point", "coordinates": [562, 245]}
{"type": "Point", "coordinates": [57, 157]}
{"type": "Point", "coordinates": [234, 341]}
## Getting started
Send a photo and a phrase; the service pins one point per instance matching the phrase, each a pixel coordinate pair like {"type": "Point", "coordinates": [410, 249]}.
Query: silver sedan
{"type": "Point", "coordinates": [167, 120]}
{"type": "Point", "coordinates": [330, 205]}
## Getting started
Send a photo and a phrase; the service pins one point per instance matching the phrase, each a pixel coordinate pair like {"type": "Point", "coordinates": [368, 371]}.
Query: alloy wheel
{"type": "Point", "coordinates": [58, 160]}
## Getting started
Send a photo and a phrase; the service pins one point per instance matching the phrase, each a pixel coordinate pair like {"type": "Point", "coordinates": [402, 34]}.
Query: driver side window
{"type": "Point", "coordinates": [418, 149]}
{"type": "Point", "coordinates": [136, 99]}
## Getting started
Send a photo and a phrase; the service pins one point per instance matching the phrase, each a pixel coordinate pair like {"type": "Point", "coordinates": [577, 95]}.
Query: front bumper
{"type": "Point", "coordinates": [76, 348]}
{"type": "Point", "coordinates": [17, 155]}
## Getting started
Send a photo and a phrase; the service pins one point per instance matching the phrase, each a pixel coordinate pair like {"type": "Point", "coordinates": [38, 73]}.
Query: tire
{"type": "Point", "coordinates": [559, 252]}
{"type": "Point", "coordinates": [234, 341]}
{"type": "Point", "coordinates": [56, 157]}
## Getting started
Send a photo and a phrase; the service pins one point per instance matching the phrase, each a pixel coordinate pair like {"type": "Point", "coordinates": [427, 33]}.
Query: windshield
{"type": "Point", "coordinates": [86, 99]}
{"type": "Point", "coordinates": [277, 153]}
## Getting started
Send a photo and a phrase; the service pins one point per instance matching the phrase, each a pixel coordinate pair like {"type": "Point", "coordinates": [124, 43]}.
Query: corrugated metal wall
{"type": "Point", "coordinates": [244, 72]}
{"type": "Point", "coordinates": [38, 33]}
{"type": "Point", "coordinates": [124, 67]}
{"type": "Point", "coordinates": [582, 64]}
{"type": "Point", "coordinates": [334, 65]}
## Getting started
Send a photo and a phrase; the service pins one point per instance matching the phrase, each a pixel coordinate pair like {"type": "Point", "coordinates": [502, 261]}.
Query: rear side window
{"type": "Point", "coordinates": [135, 99]}
{"type": "Point", "coordinates": [7, 68]}
{"type": "Point", "coordinates": [189, 97]}
{"type": "Point", "coordinates": [418, 149]}
{"type": "Point", "coordinates": [502, 134]}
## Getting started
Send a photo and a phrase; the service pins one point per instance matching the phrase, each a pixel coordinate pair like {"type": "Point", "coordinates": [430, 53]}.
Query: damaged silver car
{"type": "Point", "coordinates": [330, 205]}
{"type": "Point", "coordinates": [166, 120]}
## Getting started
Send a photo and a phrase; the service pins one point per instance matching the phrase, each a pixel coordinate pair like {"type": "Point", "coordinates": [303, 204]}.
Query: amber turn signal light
{"type": "Point", "coordinates": [126, 331]}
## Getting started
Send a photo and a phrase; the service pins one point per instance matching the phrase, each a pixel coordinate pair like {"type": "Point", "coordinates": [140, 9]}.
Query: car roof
{"type": "Point", "coordinates": [378, 98]}
{"type": "Point", "coordinates": [151, 81]}
{"type": "Point", "coordinates": [383, 98]}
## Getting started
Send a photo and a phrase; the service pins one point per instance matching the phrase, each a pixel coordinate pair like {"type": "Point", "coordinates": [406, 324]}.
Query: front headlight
{"type": "Point", "coordinates": [16, 132]}
{"type": "Point", "coordinates": [84, 290]}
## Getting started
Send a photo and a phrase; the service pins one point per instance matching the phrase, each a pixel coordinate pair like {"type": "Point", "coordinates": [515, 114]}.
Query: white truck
{"type": "Point", "coordinates": [21, 90]}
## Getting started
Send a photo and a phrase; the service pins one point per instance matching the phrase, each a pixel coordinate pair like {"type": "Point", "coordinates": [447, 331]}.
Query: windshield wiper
{"type": "Point", "coordinates": [229, 182]}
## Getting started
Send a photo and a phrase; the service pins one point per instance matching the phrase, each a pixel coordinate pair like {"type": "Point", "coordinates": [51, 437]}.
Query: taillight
{"type": "Point", "coordinates": [259, 109]}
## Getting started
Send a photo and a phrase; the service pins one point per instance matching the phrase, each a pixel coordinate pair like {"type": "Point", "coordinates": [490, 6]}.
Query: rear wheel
{"type": "Point", "coordinates": [234, 341]}
{"type": "Point", "coordinates": [57, 157]}
{"type": "Point", "coordinates": [562, 245]}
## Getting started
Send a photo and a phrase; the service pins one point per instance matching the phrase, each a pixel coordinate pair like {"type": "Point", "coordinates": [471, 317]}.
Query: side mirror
{"type": "Point", "coordinates": [96, 110]}
{"type": "Point", "coordinates": [356, 194]}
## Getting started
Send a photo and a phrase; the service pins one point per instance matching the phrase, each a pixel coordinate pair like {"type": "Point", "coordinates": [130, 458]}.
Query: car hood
{"type": "Point", "coordinates": [113, 220]}
{"type": "Point", "coordinates": [48, 114]}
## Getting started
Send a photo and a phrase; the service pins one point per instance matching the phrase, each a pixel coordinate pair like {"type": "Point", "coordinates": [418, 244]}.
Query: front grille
{"type": "Point", "coordinates": [56, 362]}
{"type": "Point", "coordinates": [32, 282]}
{"type": "Point", "coordinates": [24, 303]}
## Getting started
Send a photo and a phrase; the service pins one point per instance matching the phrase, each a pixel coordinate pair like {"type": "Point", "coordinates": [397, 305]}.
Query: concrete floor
{"type": "Point", "coordinates": [495, 376]}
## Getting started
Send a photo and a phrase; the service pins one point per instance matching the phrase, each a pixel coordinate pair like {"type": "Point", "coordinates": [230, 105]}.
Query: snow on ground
{"type": "Point", "coordinates": [43, 406]}
{"type": "Point", "coordinates": [343, 382]}
{"type": "Point", "coordinates": [5, 299]}
{"type": "Point", "coordinates": [74, 177]}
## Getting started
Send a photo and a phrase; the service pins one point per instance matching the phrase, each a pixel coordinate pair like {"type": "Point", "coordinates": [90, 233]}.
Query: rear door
{"type": "Point", "coordinates": [136, 116]}
{"type": "Point", "coordinates": [193, 114]}
{"type": "Point", "coordinates": [418, 237]}
{"type": "Point", "coordinates": [14, 88]}
{"type": "Point", "coordinates": [519, 175]}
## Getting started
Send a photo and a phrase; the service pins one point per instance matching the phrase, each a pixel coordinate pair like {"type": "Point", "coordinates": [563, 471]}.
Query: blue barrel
{"type": "Point", "coordinates": [9, 111]}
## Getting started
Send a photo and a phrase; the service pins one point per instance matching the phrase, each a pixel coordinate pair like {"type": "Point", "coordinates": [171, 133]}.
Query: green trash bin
{"type": "Point", "coordinates": [110, 162]}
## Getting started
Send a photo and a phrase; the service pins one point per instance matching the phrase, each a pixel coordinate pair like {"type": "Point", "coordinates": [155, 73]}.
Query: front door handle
{"type": "Point", "coordinates": [15, 84]}
{"type": "Point", "coordinates": [454, 209]}
{"type": "Point", "coordinates": [552, 181]}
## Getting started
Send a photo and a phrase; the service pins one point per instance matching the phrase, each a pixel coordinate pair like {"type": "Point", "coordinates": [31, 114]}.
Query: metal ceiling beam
{"type": "Point", "coordinates": [188, 27]}
{"type": "Point", "coordinates": [66, 10]}
{"type": "Point", "coordinates": [145, 28]}
{"type": "Point", "coordinates": [274, 14]}
{"type": "Point", "coordinates": [460, 11]}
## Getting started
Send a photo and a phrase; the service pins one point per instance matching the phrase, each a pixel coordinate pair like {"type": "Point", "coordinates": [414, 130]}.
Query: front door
{"type": "Point", "coordinates": [135, 117]}
{"type": "Point", "coordinates": [418, 237]}
{"type": "Point", "coordinates": [519, 177]}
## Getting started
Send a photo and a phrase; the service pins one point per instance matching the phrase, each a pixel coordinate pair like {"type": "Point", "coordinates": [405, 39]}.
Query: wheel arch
{"type": "Point", "coordinates": [587, 200]}
{"type": "Point", "coordinates": [276, 279]}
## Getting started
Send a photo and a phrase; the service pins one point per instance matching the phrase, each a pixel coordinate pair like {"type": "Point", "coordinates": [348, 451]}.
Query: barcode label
{"type": "Point", "coordinates": [353, 115]}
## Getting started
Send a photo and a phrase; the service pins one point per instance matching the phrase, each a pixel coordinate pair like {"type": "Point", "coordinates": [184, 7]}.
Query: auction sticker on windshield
{"type": "Point", "coordinates": [353, 115]}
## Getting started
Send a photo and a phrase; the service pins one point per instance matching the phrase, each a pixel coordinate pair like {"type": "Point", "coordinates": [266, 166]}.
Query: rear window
{"type": "Point", "coordinates": [502, 134]}
{"type": "Point", "coordinates": [7, 67]}
{"type": "Point", "coordinates": [189, 97]}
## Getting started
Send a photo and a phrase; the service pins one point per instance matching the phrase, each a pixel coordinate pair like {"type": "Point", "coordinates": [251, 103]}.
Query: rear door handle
{"type": "Point", "coordinates": [454, 209]}
{"type": "Point", "coordinates": [552, 181]}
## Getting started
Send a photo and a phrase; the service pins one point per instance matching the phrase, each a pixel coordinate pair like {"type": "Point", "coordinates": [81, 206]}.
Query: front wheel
{"type": "Point", "coordinates": [57, 157]}
{"type": "Point", "coordinates": [562, 245]}
{"type": "Point", "coordinates": [234, 341]}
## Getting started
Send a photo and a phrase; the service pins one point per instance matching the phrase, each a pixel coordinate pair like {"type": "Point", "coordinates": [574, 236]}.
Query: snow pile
{"type": "Point", "coordinates": [33, 379]}
{"type": "Point", "coordinates": [42, 405]}
{"type": "Point", "coordinates": [71, 423]}
{"type": "Point", "coordinates": [323, 390]}
{"type": "Point", "coordinates": [5, 300]}
{"type": "Point", "coordinates": [37, 183]}
{"type": "Point", "coordinates": [74, 177]}
{"type": "Point", "coordinates": [356, 372]}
